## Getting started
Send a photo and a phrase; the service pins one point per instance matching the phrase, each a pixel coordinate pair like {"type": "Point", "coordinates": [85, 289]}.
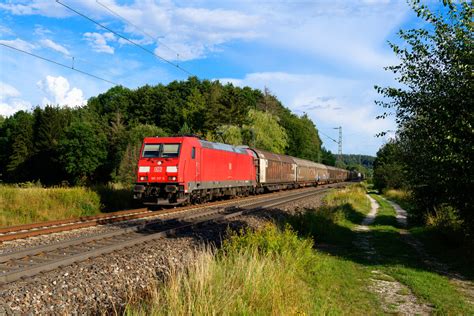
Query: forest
{"type": "Point", "coordinates": [99, 143]}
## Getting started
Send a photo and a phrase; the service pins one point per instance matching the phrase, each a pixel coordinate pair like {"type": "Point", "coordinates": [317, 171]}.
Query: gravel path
{"type": "Point", "coordinates": [363, 240]}
{"type": "Point", "coordinates": [106, 283]}
{"type": "Point", "coordinates": [395, 297]}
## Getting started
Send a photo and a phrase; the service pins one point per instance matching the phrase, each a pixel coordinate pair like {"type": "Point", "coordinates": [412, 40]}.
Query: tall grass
{"type": "Point", "coordinates": [262, 272]}
{"type": "Point", "coordinates": [114, 196]}
{"type": "Point", "coordinates": [34, 204]}
{"type": "Point", "coordinates": [401, 197]}
{"type": "Point", "coordinates": [354, 194]}
{"type": "Point", "coordinates": [342, 210]}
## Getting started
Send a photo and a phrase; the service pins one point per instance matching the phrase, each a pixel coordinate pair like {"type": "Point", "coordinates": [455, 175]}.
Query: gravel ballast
{"type": "Point", "coordinates": [106, 283]}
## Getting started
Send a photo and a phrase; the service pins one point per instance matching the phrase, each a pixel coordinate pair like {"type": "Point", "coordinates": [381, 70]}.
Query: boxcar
{"type": "Point", "coordinates": [275, 171]}
{"type": "Point", "coordinates": [309, 172]}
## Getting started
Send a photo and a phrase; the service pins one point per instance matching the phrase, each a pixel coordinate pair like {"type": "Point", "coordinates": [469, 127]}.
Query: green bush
{"type": "Point", "coordinates": [445, 220]}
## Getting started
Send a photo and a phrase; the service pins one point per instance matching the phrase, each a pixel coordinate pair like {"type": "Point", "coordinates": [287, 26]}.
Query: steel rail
{"type": "Point", "coordinates": [32, 261]}
{"type": "Point", "coordinates": [18, 228]}
{"type": "Point", "coordinates": [37, 229]}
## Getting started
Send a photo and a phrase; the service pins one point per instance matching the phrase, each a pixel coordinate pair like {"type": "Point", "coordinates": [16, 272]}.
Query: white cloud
{"type": "Point", "coordinates": [40, 30]}
{"type": "Point", "coordinates": [54, 46]}
{"type": "Point", "coordinates": [20, 44]}
{"type": "Point", "coordinates": [346, 32]}
{"type": "Point", "coordinates": [10, 101]}
{"type": "Point", "coordinates": [5, 30]}
{"type": "Point", "coordinates": [59, 92]}
{"type": "Point", "coordinates": [44, 7]}
{"type": "Point", "coordinates": [218, 18]}
{"type": "Point", "coordinates": [351, 34]}
{"type": "Point", "coordinates": [7, 91]}
{"type": "Point", "coordinates": [98, 41]}
{"type": "Point", "coordinates": [193, 32]}
{"type": "Point", "coordinates": [329, 101]}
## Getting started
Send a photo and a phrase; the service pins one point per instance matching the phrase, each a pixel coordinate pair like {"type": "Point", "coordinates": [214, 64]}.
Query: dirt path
{"type": "Point", "coordinates": [395, 297]}
{"type": "Point", "coordinates": [463, 285]}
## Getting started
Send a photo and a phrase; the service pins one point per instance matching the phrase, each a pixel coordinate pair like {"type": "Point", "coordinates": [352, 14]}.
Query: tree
{"type": "Point", "coordinates": [49, 126]}
{"type": "Point", "coordinates": [18, 146]}
{"type": "Point", "coordinates": [327, 157]}
{"type": "Point", "coordinates": [230, 134]}
{"type": "Point", "coordinates": [434, 109]}
{"type": "Point", "coordinates": [194, 110]}
{"type": "Point", "coordinates": [389, 170]}
{"type": "Point", "coordinates": [127, 170]}
{"type": "Point", "coordinates": [82, 150]}
{"type": "Point", "coordinates": [185, 130]}
{"type": "Point", "coordinates": [269, 103]}
{"type": "Point", "coordinates": [116, 144]}
{"type": "Point", "coordinates": [263, 131]}
{"type": "Point", "coordinates": [116, 99]}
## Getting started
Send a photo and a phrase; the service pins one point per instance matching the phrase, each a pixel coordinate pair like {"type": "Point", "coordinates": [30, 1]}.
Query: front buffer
{"type": "Point", "coordinates": [160, 193]}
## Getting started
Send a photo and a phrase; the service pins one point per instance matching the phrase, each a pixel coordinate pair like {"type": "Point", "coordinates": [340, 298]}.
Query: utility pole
{"type": "Point", "coordinates": [339, 143]}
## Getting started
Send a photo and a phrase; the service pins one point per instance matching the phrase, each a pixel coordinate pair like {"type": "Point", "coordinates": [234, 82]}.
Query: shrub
{"type": "Point", "coordinates": [445, 220]}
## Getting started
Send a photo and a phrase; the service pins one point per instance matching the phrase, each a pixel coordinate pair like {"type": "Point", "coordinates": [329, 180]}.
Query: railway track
{"type": "Point", "coordinates": [31, 261]}
{"type": "Point", "coordinates": [50, 227]}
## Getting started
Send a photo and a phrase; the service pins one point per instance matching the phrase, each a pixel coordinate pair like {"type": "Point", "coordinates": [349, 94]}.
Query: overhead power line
{"type": "Point", "coordinates": [69, 56]}
{"type": "Point", "coordinates": [329, 137]}
{"type": "Point", "coordinates": [60, 64]}
{"type": "Point", "coordinates": [125, 38]}
{"type": "Point", "coordinates": [136, 27]}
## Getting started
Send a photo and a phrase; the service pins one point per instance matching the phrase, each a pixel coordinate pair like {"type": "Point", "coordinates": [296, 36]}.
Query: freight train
{"type": "Point", "coordinates": [181, 170]}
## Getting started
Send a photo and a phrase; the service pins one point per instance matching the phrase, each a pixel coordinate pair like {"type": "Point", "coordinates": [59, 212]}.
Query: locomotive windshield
{"type": "Point", "coordinates": [170, 150]}
{"type": "Point", "coordinates": [161, 150]}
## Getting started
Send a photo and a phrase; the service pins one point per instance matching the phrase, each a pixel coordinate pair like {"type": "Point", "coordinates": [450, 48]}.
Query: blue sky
{"type": "Point", "coordinates": [318, 57]}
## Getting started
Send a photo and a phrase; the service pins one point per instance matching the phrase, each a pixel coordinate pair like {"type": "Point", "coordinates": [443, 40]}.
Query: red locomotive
{"type": "Point", "coordinates": [174, 170]}
{"type": "Point", "coordinates": [177, 170]}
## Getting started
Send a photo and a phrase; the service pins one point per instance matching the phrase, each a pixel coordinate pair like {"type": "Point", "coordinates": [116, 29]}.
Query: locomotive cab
{"type": "Point", "coordinates": [161, 168]}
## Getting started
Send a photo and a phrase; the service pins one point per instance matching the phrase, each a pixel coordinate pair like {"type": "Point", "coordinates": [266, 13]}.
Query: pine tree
{"type": "Point", "coordinates": [21, 148]}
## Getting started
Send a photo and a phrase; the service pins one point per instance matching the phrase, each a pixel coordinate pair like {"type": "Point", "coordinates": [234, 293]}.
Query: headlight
{"type": "Point", "coordinates": [172, 169]}
{"type": "Point", "coordinates": [144, 169]}
{"type": "Point", "coordinates": [145, 178]}
{"type": "Point", "coordinates": [171, 178]}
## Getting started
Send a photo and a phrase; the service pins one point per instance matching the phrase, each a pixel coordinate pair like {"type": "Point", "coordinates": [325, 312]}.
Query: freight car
{"type": "Point", "coordinates": [177, 170]}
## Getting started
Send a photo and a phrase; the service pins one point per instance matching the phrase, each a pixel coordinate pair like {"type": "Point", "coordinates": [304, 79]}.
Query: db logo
{"type": "Point", "coordinates": [158, 169]}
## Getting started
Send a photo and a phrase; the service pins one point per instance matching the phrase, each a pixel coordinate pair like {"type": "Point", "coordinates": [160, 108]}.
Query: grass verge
{"type": "Point", "coordinates": [259, 272]}
{"type": "Point", "coordinates": [441, 237]}
{"type": "Point", "coordinates": [402, 262]}
{"type": "Point", "coordinates": [401, 197]}
{"type": "Point", "coordinates": [333, 222]}
{"type": "Point", "coordinates": [457, 256]}
{"type": "Point", "coordinates": [25, 205]}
